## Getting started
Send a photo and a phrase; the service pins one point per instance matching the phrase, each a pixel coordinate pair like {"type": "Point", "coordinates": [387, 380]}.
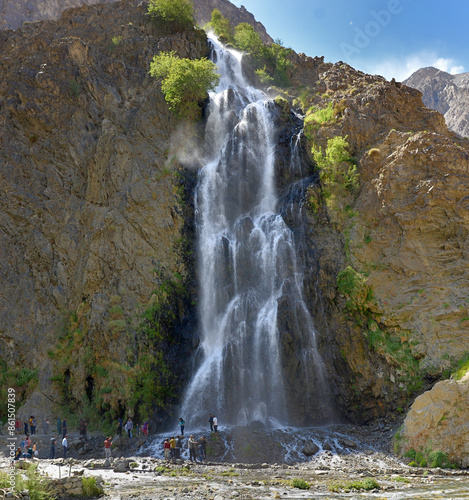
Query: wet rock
{"type": "Point", "coordinates": [310, 448]}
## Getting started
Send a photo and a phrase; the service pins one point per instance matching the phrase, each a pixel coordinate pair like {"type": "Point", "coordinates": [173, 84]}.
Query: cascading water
{"type": "Point", "coordinates": [248, 270]}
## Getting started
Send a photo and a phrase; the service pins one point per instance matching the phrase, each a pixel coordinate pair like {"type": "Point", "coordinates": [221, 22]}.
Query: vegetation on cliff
{"type": "Point", "coordinates": [271, 62]}
{"type": "Point", "coordinates": [177, 14]}
{"type": "Point", "coordinates": [185, 83]}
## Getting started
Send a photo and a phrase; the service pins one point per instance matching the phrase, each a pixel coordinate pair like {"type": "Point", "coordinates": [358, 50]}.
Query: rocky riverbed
{"type": "Point", "coordinates": [344, 454]}
{"type": "Point", "coordinates": [145, 478]}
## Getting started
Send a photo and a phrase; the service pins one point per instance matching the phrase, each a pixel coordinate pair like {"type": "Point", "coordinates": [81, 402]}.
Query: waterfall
{"type": "Point", "coordinates": [247, 269]}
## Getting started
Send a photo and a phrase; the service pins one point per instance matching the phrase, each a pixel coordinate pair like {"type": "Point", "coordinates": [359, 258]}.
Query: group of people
{"type": "Point", "coordinates": [172, 448]}
{"type": "Point", "coordinates": [197, 447]}
{"type": "Point", "coordinates": [129, 426]}
{"type": "Point", "coordinates": [30, 426]}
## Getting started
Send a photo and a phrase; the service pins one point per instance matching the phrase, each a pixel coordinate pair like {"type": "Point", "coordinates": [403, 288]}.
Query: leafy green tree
{"type": "Point", "coordinates": [221, 26]}
{"type": "Point", "coordinates": [277, 57]}
{"type": "Point", "coordinates": [179, 13]}
{"type": "Point", "coordinates": [336, 166]}
{"type": "Point", "coordinates": [185, 82]}
{"type": "Point", "coordinates": [248, 40]}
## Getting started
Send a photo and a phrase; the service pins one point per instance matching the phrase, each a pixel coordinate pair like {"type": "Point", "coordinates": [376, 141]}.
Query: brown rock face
{"type": "Point", "coordinates": [14, 13]}
{"type": "Point", "coordinates": [413, 208]}
{"type": "Point", "coordinates": [438, 421]}
{"type": "Point", "coordinates": [405, 230]}
{"type": "Point", "coordinates": [88, 210]}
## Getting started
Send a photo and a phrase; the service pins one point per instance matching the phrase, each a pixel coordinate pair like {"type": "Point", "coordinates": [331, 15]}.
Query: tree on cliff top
{"type": "Point", "coordinates": [185, 82]}
{"type": "Point", "coordinates": [179, 13]}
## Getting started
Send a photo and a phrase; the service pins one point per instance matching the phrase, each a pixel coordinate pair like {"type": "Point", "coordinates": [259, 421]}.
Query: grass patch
{"type": "Point", "coordinates": [401, 479]}
{"type": "Point", "coordinates": [462, 367]}
{"type": "Point", "coordinates": [90, 487]}
{"type": "Point", "coordinates": [38, 486]}
{"type": "Point", "coordinates": [366, 484]}
{"type": "Point", "coordinates": [318, 117]}
{"type": "Point", "coordinates": [297, 482]}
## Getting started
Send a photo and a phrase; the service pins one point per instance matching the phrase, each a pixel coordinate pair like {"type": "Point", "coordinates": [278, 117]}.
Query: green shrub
{"type": "Point", "coordinates": [39, 486]}
{"type": "Point", "coordinates": [185, 83]}
{"type": "Point", "coordinates": [366, 484]}
{"type": "Point", "coordinates": [438, 459]}
{"type": "Point", "coordinates": [264, 76]}
{"type": "Point", "coordinates": [115, 41]}
{"type": "Point", "coordinates": [221, 26]}
{"type": "Point", "coordinates": [413, 464]}
{"type": "Point", "coordinates": [179, 14]}
{"type": "Point", "coordinates": [320, 116]}
{"type": "Point", "coordinates": [401, 479]}
{"type": "Point", "coordinates": [410, 454]}
{"type": "Point", "coordinates": [354, 286]}
{"type": "Point", "coordinates": [248, 40]}
{"type": "Point", "coordinates": [299, 483]}
{"type": "Point", "coordinates": [90, 488]}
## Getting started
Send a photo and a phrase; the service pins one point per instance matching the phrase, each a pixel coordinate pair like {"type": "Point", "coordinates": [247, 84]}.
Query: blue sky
{"type": "Point", "coordinates": [392, 38]}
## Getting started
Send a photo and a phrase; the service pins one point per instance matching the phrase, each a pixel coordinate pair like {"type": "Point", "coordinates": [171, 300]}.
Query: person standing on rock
{"type": "Point", "coordinates": [25, 427]}
{"type": "Point", "coordinates": [59, 426]}
{"type": "Point", "coordinates": [178, 447]}
{"type": "Point", "coordinates": [107, 447]}
{"type": "Point", "coordinates": [119, 427]}
{"type": "Point", "coordinates": [128, 427]}
{"type": "Point", "coordinates": [46, 426]}
{"type": "Point", "coordinates": [215, 424]}
{"type": "Point", "coordinates": [182, 424]}
{"type": "Point", "coordinates": [166, 448]}
{"type": "Point", "coordinates": [65, 445]}
{"type": "Point", "coordinates": [203, 448]}
{"type": "Point", "coordinates": [18, 426]}
{"type": "Point", "coordinates": [32, 424]}
{"type": "Point", "coordinates": [172, 444]}
{"type": "Point", "coordinates": [210, 421]}
{"type": "Point", "coordinates": [145, 428]}
{"type": "Point", "coordinates": [52, 447]}
{"type": "Point", "coordinates": [192, 449]}
{"type": "Point", "coordinates": [64, 427]}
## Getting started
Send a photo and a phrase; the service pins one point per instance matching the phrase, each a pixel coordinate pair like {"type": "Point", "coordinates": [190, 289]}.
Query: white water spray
{"type": "Point", "coordinates": [246, 263]}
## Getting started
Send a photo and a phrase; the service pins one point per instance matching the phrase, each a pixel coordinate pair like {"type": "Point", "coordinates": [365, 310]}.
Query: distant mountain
{"type": "Point", "coordinates": [448, 94]}
{"type": "Point", "coordinates": [14, 12]}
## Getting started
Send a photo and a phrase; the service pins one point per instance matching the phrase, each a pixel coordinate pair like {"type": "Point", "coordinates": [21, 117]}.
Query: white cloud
{"type": "Point", "coordinates": [402, 69]}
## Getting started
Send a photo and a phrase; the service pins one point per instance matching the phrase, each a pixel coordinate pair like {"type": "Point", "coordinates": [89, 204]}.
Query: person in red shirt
{"type": "Point", "coordinates": [107, 447]}
{"type": "Point", "coordinates": [167, 448]}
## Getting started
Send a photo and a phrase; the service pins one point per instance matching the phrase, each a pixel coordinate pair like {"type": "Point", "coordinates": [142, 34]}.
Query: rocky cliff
{"type": "Point", "coordinates": [91, 222]}
{"type": "Point", "coordinates": [14, 13]}
{"type": "Point", "coordinates": [448, 94]}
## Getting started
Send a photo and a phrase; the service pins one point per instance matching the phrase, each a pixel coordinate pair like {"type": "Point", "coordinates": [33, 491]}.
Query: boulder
{"type": "Point", "coordinates": [310, 449]}
{"type": "Point", "coordinates": [438, 421]}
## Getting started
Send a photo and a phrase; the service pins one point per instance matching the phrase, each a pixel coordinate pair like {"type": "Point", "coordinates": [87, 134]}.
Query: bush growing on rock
{"type": "Point", "coordinates": [178, 13]}
{"type": "Point", "coordinates": [221, 26]}
{"type": "Point", "coordinates": [185, 82]}
{"type": "Point", "coordinates": [299, 483]}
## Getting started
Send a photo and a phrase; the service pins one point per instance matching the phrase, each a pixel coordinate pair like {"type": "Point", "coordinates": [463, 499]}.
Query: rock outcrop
{"type": "Point", "coordinates": [437, 421]}
{"type": "Point", "coordinates": [405, 230]}
{"type": "Point", "coordinates": [448, 94]}
{"type": "Point", "coordinates": [14, 13]}
{"type": "Point", "coordinates": [89, 212]}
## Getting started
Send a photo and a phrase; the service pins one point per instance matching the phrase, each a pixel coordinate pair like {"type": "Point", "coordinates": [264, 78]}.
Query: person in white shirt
{"type": "Point", "coordinates": [65, 445]}
{"type": "Point", "coordinates": [215, 424]}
